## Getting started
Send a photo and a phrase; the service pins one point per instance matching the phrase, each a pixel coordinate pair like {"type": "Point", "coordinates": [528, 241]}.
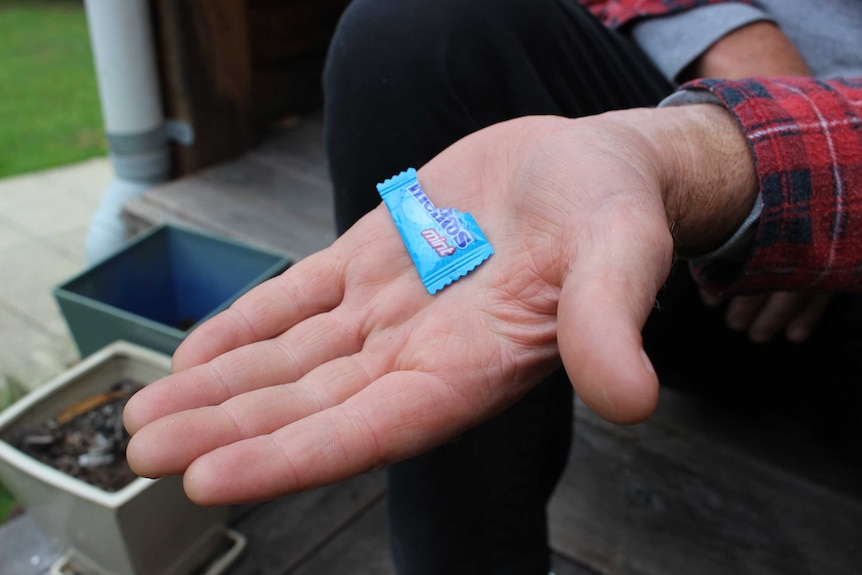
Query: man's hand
{"type": "Point", "coordinates": [765, 316]}
{"type": "Point", "coordinates": [344, 363]}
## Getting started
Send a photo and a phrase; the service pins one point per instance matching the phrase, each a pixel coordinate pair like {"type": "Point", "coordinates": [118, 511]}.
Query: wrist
{"type": "Point", "coordinates": [709, 180]}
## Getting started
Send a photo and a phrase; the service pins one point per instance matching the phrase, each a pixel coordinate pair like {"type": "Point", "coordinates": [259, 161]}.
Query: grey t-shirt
{"type": "Point", "coordinates": [828, 33]}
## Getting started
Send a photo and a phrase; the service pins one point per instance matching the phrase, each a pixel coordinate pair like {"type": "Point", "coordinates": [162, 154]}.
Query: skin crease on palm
{"type": "Point", "coordinates": [344, 363]}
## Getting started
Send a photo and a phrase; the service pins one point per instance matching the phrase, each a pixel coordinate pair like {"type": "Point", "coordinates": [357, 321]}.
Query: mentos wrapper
{"type": "Point", "coordinates": [445, 244]}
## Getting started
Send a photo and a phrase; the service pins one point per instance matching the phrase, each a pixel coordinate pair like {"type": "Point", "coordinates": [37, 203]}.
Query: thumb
{"type": "Point", "coordinates": [599, 322]}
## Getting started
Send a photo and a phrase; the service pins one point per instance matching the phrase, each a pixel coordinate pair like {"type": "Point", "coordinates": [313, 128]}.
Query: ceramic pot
{"type": "Point", "coordinates": [148, 527]}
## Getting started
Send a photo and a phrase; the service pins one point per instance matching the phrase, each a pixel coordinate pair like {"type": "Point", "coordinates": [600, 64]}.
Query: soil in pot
{"type": "Point", "coordinates": [86, 440]}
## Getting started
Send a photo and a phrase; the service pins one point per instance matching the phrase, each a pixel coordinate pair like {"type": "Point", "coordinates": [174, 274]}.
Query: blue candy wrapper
{"type": "Point", "coordinates": [445, 244]}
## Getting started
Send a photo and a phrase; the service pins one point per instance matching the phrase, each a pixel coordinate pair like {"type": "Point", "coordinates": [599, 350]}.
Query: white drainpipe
{"type": "Point", "coordinates": [138, 134]}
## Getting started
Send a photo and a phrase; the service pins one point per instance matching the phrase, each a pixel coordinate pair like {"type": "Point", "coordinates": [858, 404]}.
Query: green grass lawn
{"type": "Point", "coordinates": [9, 392]}
{"type": "Point", "coordinates": [7, 503]}
{"type": "Point", "coordinates": [49, 102]}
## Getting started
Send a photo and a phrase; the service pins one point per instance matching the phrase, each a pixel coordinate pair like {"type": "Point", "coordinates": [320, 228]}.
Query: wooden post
{"type": "Point", "coordinates": [231, 67]}
{"type": "Point", "coordinates": [206, 74]}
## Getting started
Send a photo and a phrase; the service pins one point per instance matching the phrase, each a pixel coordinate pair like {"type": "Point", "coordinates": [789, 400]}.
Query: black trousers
{"type": "Point", "coordinates": [405, 79]}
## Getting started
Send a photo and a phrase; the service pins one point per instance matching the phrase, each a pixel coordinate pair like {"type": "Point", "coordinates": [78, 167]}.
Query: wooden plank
{"type": "Point", "coordinates": [650, 500]}
{"type": "Point", "coordinates": [298, 145]}
{"type": "Point", "coordinates": [360, 549]}
{"type": "Point", "coordinates": [359, 545]}
{"type": "Point", "coordinates": [789, 445]}
{"type": "Point", "coordinates": [206, 73]}
{"type": "Point", "coordinates": [288, 532]}
{"type": "Point", "coordinates": [276, 196]}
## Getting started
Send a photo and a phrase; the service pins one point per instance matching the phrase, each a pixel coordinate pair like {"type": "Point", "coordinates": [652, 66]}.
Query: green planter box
{"type": "Point", "coordinates": [157, 289]}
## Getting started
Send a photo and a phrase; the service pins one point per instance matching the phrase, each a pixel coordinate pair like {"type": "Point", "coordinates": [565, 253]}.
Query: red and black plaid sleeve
{"type": "Point", "coordinates": [806, 137]}
{"type": "Point", "coordinates": [616, 13]}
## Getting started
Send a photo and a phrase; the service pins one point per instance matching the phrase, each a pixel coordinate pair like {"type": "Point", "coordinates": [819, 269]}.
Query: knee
{"type": "Point", "coordinates": [416, 42]}
{"type": "Point", "coordinates": [378, 40]}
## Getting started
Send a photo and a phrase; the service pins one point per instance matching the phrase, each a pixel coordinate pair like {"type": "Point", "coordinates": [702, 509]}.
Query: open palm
{"type": "Point", "coordinates": [344, 363]}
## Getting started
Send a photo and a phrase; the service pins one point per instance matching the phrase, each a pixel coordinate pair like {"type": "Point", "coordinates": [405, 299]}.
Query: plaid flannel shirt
{"type": "Point", "coordinates": [806, 138]}
{"type": "Point", "coordinates": [617, 13]}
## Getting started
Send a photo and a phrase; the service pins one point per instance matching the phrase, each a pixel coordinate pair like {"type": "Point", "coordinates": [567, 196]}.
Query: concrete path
{"type": "Point", "coordinates": [44, 217]}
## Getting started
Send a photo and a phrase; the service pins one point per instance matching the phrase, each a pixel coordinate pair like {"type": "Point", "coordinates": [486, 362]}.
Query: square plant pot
{"type": "Point", "coordinates": [147, 527]}
{"type": "Point", "coordinates": [159, 287]}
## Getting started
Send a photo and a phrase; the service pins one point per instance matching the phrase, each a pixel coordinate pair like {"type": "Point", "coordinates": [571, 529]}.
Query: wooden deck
{"type": "Point", "coordinates": [678, 495]}
{"type": "Point", "coordinates": [693, 491]}
{"type": "Point", "coordinates": [277, 196]}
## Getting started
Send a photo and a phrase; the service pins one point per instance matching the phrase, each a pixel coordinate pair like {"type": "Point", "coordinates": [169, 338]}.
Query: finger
{"type": "Point", "coordinates": [311, 286]}
{"type": "Point", "coordinates": [154, 451]}
{"type": "Point", "coordinates": [774, 315]}
{"type": "Point", "coordinates": [369, 252]}
{"type": "Point", "coordinates": [279, 360]}
{"type": "Point", "coordinates": [808, 318]}
{"type": "Point", "coordinates": [708, 299]}
{"type": "Point", "coordinates": [398, 416]}
{"type": "Point", "coordinates": [600, 317]}
{"type": "Point", "coordinates": [343, 331]}
{"type": "Point", "coordinates": [742, 310]}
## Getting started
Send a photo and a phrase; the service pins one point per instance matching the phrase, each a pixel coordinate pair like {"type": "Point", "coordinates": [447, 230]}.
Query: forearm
{"type": "Point", "coordinates": [674, 43]}
{"type": "Point", "coordinates": [758, 49]}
